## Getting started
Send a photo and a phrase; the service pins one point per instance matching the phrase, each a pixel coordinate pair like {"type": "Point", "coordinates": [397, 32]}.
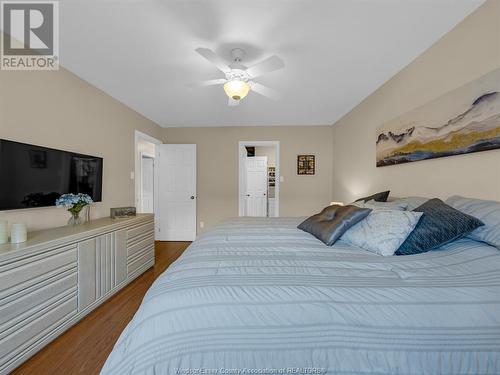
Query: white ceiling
{"type": "Point", "coordinates": [336, 52]}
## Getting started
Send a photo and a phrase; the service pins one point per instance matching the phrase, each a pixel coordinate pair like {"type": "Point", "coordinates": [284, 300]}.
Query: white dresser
{"type": "Point", "coordinates": [56, 278]}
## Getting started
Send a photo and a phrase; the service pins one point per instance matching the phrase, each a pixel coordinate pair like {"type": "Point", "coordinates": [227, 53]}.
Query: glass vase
{"type": "Point", "coordinates": [75, 218]}
{"type": "Point", "coordinates": [87, 214]}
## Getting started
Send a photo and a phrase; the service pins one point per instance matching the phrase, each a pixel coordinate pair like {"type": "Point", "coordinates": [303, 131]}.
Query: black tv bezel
{"type": "Point", "coordinates": [59, 150]}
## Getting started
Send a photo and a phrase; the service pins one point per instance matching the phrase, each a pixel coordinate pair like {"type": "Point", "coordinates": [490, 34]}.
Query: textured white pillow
{"type": "Point", "coordinates": [412, 202]}
{"type": "Point", "coordinates": [383, 231]}
{"type": "Point", "coordinates": [381, 205]}
{"type": "Point", "coordinates": [399, 206]}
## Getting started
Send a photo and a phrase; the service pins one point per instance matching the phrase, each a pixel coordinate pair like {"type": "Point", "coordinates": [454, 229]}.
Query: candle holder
{"type": "Point", "coordinates": [4, 232]}
{"type": "Point", "coordinates": [18, 233]}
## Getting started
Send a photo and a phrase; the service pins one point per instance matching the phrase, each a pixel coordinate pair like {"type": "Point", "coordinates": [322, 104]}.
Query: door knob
{"type": "Point", "coordinates": [248, 195]}
{"type": "Point", "coordinates": [192, 197]}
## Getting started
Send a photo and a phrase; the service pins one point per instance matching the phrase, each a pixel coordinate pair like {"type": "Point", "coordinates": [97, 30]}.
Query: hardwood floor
{"type": "Point", "coordinates": [83, 349]}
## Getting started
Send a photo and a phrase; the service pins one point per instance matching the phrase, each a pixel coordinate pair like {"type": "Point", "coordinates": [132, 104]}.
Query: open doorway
{"type": "Point", "coordinates": [259, 178]}
{"type": "Point", "coordinates": [145, 151]}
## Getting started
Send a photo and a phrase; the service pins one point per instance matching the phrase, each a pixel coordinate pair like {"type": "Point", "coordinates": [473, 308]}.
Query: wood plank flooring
{"type": "Point", "coordinates": [83, 349]}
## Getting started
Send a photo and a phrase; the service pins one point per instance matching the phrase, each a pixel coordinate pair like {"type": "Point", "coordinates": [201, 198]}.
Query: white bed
{"type": "Point", "coordinates": [260, 296]}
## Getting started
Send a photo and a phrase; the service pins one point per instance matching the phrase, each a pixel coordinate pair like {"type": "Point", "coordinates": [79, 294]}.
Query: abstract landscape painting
{"type": "Point", "coordinates": [462, 121]}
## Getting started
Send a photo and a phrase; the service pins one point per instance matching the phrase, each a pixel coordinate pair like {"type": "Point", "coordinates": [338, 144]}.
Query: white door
{"type": "Point", "coordinates": [147, 184]}
{"type": "Point", "coordinates": [175, 168]}
{"type": "Point", "coordinates": [256, 186]}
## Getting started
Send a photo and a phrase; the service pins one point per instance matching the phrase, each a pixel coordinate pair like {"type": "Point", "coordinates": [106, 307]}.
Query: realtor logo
{"type": "Point", "coordinates": [30, 38]}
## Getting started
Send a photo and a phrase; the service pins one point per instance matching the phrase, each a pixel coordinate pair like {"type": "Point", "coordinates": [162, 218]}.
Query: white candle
{"type": "Point", "coordinates": [4, 233]}
{"type": "Point", "coordinates": [18, 233]}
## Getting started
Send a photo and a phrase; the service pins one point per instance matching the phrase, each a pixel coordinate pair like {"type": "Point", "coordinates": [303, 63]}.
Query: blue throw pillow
{"type": "Point", "coordinates": [439, 225]}
{"type": "Point", "coordinates": [487, 211]}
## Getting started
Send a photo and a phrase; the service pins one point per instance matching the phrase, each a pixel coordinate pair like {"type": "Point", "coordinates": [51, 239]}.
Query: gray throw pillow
{"type": "Point", "coordinates": [439, 225]}
{"type": "Point", "coordinates": [333, 221]}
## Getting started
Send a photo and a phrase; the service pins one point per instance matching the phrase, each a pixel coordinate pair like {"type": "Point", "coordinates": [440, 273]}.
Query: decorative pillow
{"type": "Point", "coordinates": [440, 225]}
{"type": "Point", "coordinates": [383, 231]}
{"type": "Point", "coordinates": [378, 197]}
{"type": "Point", "coordinates": [333, 221]}
{"type": "Point", "coordinates": [486, 211]}
{"type": "Point", "coordinates": [412, 202]}
{"type": "Point", "coordinates": [398, 206]}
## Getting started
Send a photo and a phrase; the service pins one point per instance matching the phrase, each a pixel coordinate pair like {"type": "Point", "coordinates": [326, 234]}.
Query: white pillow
{"type": "Point", "coordinates": [399, 206]}
{"type": "Point", "coordinates": [383, 231]}
{"type": "Point", "coordinates": [412, 202]}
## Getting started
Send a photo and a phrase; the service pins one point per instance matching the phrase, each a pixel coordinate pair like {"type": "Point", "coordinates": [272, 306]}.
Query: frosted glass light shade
{"type": "Point", "coordinates": [236, 90]}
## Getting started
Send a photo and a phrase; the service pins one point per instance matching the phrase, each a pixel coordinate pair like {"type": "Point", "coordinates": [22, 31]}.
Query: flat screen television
{"type": "Point", "coordinates": [35, 176]}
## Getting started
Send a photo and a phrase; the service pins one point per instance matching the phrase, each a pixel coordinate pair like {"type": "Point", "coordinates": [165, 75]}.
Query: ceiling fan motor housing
{"type": "Point", "coordinates": [237, 75]}
{"type": "Point", "coordinates": [237, 55]}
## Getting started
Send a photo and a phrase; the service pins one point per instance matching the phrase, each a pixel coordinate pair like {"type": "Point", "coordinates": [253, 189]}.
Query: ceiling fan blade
{"type": "Point", "coordinates": [208, 83]}
{"type": "Point", "coordinates": [268, 65]}
{"type": "Point", "coordinates": [265, 91]}
{"type": "Point", "coordinates": [232, 103]}
{"type": "Point", "coordinates": [214, 59]}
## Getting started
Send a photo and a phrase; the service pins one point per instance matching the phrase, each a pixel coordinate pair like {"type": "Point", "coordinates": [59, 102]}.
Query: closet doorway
{"type": "Point", "coordinates": [259, 178]}
{"type": "Point", "coordinates": [145, 153]}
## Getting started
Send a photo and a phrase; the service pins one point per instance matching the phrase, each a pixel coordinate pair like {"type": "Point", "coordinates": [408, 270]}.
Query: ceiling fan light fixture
{"type": "Point", "coordinates": [236, 89]}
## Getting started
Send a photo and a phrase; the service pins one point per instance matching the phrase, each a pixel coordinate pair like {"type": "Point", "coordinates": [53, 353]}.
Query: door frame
{"type": "Point", "coordinates": [140, 136]}
{"type": "Point", "coordinates": [144, 155]}
{"type": "Point", "coordinates": [241, 175]}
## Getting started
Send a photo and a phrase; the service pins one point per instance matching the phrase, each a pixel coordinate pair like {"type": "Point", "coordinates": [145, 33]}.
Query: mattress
{"type": "Point", "coordinates": [258, 296]}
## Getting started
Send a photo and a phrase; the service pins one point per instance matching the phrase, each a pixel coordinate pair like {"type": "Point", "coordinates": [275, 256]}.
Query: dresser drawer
{"type": "Point", "coordinates": [19, 339]}
{"type": "Point", "coordinates": [20, 306]}
{"type": "Point", "coordinates": [25, 273]}
{"type": "Point", "coordinates": [134, 233]}
{"type": "Point", "coordinates": [136, 248]}
{"type": "Point", "coordinates": [141, 258]}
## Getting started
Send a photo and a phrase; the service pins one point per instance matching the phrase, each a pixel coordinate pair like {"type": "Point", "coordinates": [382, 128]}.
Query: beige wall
{"type": "Point", "coordinates": [468, 52]}
{"type": "Point", "coordinates": [217, 150]}
{"type": "Point", "coordinates": [269, 151]}
{"type": "Point", "coordinates": [57, 109]}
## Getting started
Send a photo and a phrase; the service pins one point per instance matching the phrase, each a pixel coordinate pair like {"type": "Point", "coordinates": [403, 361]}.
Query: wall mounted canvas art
{"type": "Point", "coordinates": [462, 121]}
{"type": "Point", "coordinates": [306, 165]}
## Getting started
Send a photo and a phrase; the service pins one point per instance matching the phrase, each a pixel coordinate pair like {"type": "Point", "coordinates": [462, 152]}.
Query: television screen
{"type": "Point", "coordinates": [34, 176]}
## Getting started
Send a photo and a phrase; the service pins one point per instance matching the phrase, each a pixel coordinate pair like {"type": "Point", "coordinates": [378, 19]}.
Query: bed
{"type": "Point", "coordinates": [259, 296]}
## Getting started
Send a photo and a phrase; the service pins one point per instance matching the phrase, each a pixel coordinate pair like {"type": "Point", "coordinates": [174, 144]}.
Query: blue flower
{"type": "Point", "coordinates": [69, 200]}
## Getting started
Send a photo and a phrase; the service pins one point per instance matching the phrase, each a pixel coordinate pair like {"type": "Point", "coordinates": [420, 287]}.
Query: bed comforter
{"type": "Point", "coordinates": [258, 296]}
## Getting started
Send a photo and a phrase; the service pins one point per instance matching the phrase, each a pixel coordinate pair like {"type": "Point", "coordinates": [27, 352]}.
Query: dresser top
{"type": "Point", "coordinates": [69, 234]}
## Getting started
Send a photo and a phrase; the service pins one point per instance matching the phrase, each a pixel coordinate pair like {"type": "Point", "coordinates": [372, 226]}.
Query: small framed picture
{"type": "Point", "coordinates": [306, 164]}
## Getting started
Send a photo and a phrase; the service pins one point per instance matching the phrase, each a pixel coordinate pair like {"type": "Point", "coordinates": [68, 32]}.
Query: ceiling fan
{"type": "Point", "coordinates": [239, 78]}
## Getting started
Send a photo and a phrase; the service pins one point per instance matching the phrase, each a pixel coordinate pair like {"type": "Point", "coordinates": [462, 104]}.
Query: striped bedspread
{"type": "Point", "coordinates": [258, 296]}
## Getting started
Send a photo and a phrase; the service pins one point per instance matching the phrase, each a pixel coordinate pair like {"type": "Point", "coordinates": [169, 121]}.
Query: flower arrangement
{"type": "Point", "coordinates": [75, 204]}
